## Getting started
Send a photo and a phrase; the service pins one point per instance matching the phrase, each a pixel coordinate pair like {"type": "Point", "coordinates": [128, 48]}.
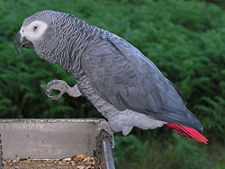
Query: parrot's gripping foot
{"type": "Point", "coordinates": [104, 130]}
{"type": "Point", "coordinates": [62, 87]}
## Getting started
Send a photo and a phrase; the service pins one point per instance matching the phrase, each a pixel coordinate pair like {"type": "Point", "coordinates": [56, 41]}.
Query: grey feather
{"type": "Point", "coordinates": [124, 77]}
{"type": "Point", "coordinates": [111, 73]}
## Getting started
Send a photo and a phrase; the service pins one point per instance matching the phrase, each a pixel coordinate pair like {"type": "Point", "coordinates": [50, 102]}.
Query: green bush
{"type": "Point", "coordinates": [218, 2]}
{"type": "Point", "coordinates": [131, 152]}
{"type": "Point", "coordinates": [185, 39]}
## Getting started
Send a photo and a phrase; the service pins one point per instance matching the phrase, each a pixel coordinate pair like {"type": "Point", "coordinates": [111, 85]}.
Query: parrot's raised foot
{"type": "Point", "coordinates": [104, 130]}
{"type": "Point", "coordinates": [62, 87]}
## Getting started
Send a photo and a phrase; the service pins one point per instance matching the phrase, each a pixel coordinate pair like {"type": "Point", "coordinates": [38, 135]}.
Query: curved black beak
{"type": "Point", "coordinates": [21, 42]}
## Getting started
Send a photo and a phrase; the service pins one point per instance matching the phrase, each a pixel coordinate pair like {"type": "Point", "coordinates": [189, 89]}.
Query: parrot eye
{"type": "Point", "coordinates": [35, 28]}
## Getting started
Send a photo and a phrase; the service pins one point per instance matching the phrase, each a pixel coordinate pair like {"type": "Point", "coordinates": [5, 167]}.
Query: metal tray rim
{"type": "Point", "coordinates": [53, 120]}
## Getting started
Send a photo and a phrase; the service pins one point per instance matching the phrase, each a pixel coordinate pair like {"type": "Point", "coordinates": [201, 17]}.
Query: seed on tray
{"type": "Point", "coordinates": [79, 161]}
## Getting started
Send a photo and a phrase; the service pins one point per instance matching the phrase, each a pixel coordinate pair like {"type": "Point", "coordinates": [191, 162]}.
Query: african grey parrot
{"type": "Point", "coordinates": [123, 84]}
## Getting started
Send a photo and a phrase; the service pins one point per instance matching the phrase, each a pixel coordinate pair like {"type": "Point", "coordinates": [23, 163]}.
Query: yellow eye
{"type": "Point", "coordinates": [35, 28]}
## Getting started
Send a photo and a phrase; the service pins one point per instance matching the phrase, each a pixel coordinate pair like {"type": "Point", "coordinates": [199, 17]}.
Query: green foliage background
{"type": "Point", "coordinates": [185, 39]}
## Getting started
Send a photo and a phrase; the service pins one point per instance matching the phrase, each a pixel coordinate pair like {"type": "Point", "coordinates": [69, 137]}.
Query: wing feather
{"type": "Point", "coordinates": [124, 77]}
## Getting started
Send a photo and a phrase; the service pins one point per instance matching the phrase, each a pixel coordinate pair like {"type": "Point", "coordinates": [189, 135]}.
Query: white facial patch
{"type": "Point", "coordinates": [34, 30]}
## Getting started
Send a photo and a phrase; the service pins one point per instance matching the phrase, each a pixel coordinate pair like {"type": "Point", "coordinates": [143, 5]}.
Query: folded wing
{"type": "Point", "coordinates": [124, 77]}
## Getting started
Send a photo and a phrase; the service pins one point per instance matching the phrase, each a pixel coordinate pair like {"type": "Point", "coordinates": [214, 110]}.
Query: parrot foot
{"type": "Point", "coordinates": [105, 131]}
{"type": "Point", "coordinates": [62, 87]}
{"type": "Point", "coordinates": [127, 130]}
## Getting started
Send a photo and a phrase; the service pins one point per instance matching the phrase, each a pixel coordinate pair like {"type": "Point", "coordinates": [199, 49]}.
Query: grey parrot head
{"type": "Point", "coordinates": [46, 32]}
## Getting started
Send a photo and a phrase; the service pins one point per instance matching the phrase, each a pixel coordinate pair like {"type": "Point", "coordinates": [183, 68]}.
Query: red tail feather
{"type": "Point", "coordinates": [187, 132]}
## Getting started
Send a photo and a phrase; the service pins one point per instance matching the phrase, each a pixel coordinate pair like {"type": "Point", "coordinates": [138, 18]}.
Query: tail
{"type": "Point", "coordinates": [187, 132]}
